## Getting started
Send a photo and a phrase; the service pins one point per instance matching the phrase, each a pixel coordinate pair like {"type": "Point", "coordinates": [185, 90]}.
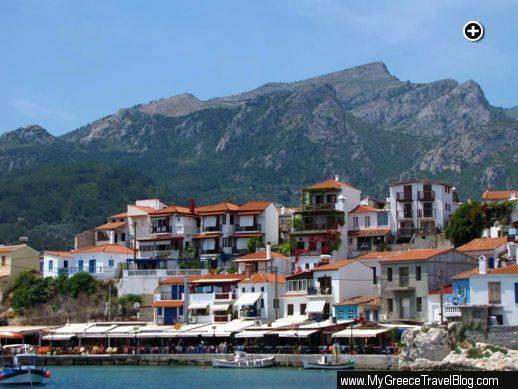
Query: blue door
{"type": "Point", "coordinates": [91, 265]}
{"type": "Point", "coordinates": [169, 316]}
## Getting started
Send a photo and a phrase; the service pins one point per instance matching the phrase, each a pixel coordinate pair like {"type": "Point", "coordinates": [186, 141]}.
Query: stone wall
{"type": "Point", "coordinates": [503, 336]}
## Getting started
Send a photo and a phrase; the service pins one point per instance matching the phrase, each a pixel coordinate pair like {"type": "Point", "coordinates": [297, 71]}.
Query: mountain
{"type": "Point", "coordinates": [362, 123]}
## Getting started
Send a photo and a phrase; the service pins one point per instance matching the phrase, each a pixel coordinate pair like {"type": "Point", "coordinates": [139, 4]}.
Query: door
{"type": "Point", "coordinates": [91, 265]}
{"type": "Point", "coordinates": [170, 315]}
{"type": "Point", "coordinates": [407, 192]}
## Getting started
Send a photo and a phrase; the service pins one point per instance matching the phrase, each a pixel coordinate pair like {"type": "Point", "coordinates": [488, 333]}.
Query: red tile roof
{"type": "Point", "coordinates": [448, 289]}
{"type": "Point", "coordinates": [263, 278]}
{"type": "Point", "coordinates": [111, 226]}
{"type": "Point", "coordinates": [499, 194]}
{"type": "Point", "coordinates": [370, 232]}
{"type": "Point", "coordinates": [104, 248]}
{"type": "Point", "coordinates": [511, 269]}
{"type": "Point", "coordinates": [144, 208]}
{"type": "Point", "coordinates": [481, 244]}
{"type": "Point", "coordinates": [363, 209]}
{"type": "Point", "coordinates": [217, 209]}
{"type": "Point", "coordinates": [338, 264]}
{"type": "Point", "coordinates": [378, 255]}
{"type": "Point", "coordinates": [118, 215]}
{"type": "Point", "coordinates": [415, 255]}
{"type": "Point", "coordinates": [170, 210]}
{"type": "Point", "coordinates": [253, 207]}
{"type": "Point", "coordinates": [176, 280]}
{"type": "Point", "coordinates": [10, 249]}
{"type": "Point", "coordinates": [259, 256]}
{"type": "Point", "coordinates": [168, 304]}
{"type": "Point", "coordinates": [362, 300]}
{"type": "Point", "coordinates": [330, 184]}
{"type": "Point", "coordinates": [59, 253]}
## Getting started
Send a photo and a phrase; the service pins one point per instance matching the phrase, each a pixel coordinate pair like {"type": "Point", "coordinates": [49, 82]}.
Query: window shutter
{"type": "Point", "coordinates": [516, 292]}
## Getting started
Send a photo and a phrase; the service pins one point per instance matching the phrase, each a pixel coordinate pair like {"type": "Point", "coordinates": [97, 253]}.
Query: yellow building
{"type": "Point", "coordinates": [15, 259]}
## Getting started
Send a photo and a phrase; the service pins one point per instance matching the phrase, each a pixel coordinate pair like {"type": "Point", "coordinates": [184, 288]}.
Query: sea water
{"type": "Point", "coordinates": [144, 377]}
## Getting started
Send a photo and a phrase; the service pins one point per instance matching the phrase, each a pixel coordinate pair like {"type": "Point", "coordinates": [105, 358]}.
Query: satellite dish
{"type": "Point", "coordinates": [136, 306]}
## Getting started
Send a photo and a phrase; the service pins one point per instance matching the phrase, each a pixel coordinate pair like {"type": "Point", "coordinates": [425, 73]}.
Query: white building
{"type": "Point", "coordinates": [420, 208]}
{"type": "Point", "coordinates": [255, 219]}
{"type": "Point", "coordinates": [368, 230]}
{"type": "Point", "coordinates": [320, 225]}
{"type": "Point", "coordinates": [256, 296]}
{"type": "Point", "coordinates": [103, 261]}
{"type": "Point", "coordinates": [264, 260]}
{"type": "Point", "coordinates": [491, 248]}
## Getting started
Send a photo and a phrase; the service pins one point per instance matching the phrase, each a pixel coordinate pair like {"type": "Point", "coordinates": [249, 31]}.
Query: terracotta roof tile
{"type": "Point", "coordinates": [216, 209]}
{"type": "Point", "coordinates": [59, 253]}
{"type": "Point", "coordinates": [480, 244]}
{"type": "Point", "coordinates": [361, 300]}
{"type": "Point", "coordinates": [111, 226]}
{"type": "Point", "coordinates": [415, 255]}
{"type": "Point", "coordinates": [378, 255]}
{"type": "Point", "coordinates": [259, 256]}
{"type": "Point", "coordinates": [499, 194]}
{"type": "Point", "coordinates": [338, 264]}
{"type": "Point", "coordinates": [104, 248]}
{"type": "Point", "coordinates": [253, 207]}
{"type": "Point", "coordinates": [11, 248]}
{"type": "Point", "coordinates": [448, 289]}
{"type": "Point", "coordinates": [170, 210]}
{"type": "Point", "coordinates": [167, 304]}
{"type": "Point", "coordinates": [369, 232]}
{"type": "Point", "coordinates": [511, 269]}
{"type": "Point", "coordinates": [363, 209]}
{"type": "Point", "coordinates": [118, 215]}
{"type": "Point", "coordinates": [330, 184]}
{"type": "Point", "coordinates": [263, 278]}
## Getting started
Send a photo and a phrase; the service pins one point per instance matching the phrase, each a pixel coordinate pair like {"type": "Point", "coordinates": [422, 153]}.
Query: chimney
{"type": "Point", "coordinates": [191, 205]}
{"type": "Point", "coordinates": [482, 264]}
{"type": "Point", "coordinates": [324, 258]}
{"type": "Point", "coordinates": [248, 270]}
{"type": "Point", "coordinates": [337, 177]}
{"type": "Point", "coordinates": [268, 251]}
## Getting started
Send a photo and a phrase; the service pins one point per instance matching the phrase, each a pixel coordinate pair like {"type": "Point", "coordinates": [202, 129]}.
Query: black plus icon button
{"type": "Point", "coordinates": [473, 31]}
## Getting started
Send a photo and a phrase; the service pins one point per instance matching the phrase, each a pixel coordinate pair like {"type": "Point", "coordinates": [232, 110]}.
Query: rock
{"type": "Point", "coordinates": [427, 343]}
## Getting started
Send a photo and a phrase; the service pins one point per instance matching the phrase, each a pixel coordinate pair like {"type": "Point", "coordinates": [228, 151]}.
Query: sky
{"type": "Point", "coordinates": [66, 63]}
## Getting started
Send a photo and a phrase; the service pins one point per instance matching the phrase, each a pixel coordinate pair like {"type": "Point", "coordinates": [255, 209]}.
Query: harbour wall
{"type": "Point", "coordinates": [367, 362]}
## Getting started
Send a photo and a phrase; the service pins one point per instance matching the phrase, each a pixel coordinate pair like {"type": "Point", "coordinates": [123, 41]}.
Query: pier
{"type": "Point", "coordinates": [364, 362]}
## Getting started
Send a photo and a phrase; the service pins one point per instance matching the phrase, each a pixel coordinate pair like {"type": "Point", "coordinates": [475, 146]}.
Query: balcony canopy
{"type": "Point", "coordinates": [315, 306]}
{"type": "Point", "coordinates": [248, 298]}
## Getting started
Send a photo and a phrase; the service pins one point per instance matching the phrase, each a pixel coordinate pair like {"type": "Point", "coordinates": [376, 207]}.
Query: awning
{"type": "Point", "coordinates": [123, 332]}
{"type": "Point", "coordinates": [361, 332]}
{"type": "Point", "coordinates": [220, 307]}
{"type": "Point", "coordinates": [198, 306]}
{"type": "Point", "coordinates": [157, 334]}
{"type": "Point", "coordinates": [315, 306]}
{"type": "Point", "coordinates": [58, 337]}
{"type": "Point", "coordinates": [251, 334]}
{"type": "Point", "coordinates": [10, 335]}
{"type": "Point", "coordinates": [294, 333]}
{"type": "Point", "coordinates": [248, 298]}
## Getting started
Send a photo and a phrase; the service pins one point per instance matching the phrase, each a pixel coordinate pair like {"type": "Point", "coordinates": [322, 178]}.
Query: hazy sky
{"type": "Point", "coordinates": [65, 63]}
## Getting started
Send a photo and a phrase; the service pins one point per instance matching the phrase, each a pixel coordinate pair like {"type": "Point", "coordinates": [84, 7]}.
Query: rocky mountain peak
{"type": "Point", "coordinates": [179, 105]}
{"type": "Point", "coordinates": [32, 134]}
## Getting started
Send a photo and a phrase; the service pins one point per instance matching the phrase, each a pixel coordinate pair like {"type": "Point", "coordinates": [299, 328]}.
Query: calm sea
{"type": "Point", "coordinates": [144, 377]}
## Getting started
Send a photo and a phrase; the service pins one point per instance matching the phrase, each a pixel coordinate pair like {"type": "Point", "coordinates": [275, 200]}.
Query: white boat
{"type": "Point", "coordinates": [241, 360]}
{"type": "Point", "coordinates": [26, 368]}
{"type": "Point", "coordinates": [328, 363]}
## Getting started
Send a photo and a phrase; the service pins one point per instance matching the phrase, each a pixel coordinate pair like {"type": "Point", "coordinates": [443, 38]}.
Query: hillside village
{"type": "Point", "coordinates": [338, 266]}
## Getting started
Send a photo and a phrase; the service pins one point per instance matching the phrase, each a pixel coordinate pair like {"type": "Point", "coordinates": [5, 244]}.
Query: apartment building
{"type": "Point", "coordinates": [320, 224]}
{"type": "Point", "coordinates": [256, 297]}
{"type": "Point", "coordinates": [368, 230]}
{"type": "Point", "coordinates": [491, 248]}
{"type": "Point", "coordinates": [420, 208]}
{"type": "Point", "coordinates": [407, 277]}
{"type": "Point", "coordinates": [264, 260]}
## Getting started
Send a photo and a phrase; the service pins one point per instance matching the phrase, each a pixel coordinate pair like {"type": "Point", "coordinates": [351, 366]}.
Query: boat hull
{"type": "Point", "coordinates": [244, 364]}
{"type": "Point", "coordinates": [329, 366]}
{"type": "Point", "coordinates": [22, 377]}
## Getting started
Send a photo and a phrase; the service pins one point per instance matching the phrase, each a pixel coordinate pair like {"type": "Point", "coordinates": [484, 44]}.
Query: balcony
{"type": "Point", "coordinates": [159, 229]}
{"type": "Point", "coordinates": [168, 296]}
{"type": "Point", "coordinates": [246, 313]}
{"type": "Point", "coordinates": [161, 273]}
{"type": "Point", "coordinates": [311, 253]}
{"type": "Point", "coordinates": [426, 196]}
{"type": "Point", "coordinates": [222, 318]}
{"type": "Point", "coordinates": [312, 291]}
{"type": "Point", "coordinates": [318, 206]}
{"type": "Point", "coordinates": [403, 197]}
{"type": "Point", "coordinates": [255, 227]}
{"type": "Point", "coordinates": [316, 227]}
{"type": "Point", "coordinates": [225, 296]}
{"type": "Point", "coordinates": [452, 311]}
{"type": "Point", "coordinates": [406, 231]}
{"type": "Point", "coordinates": [216, 228]}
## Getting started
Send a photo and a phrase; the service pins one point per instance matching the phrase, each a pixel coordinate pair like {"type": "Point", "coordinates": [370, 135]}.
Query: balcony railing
{"type": "Point", "coordinates": [225, 296]}
{"type": "Point", "coordinates": [159, 229]}
{"type": "Point", "coordinates": [402, 196]}
{"type": "Point", "coordinates": [404, 215]}
{"type": "Point", "coordinates": [222, 318]}
{"type": "Point", "coordinates": [255, 227]}
{"type": "Point", "coordinates": [452, 311]}
{"type": "Point", "coordinates": [311, 253]}
{"type": "Point", "coordinates": [406, 231]}
{"type": "Point", "coordinates": [317, 226]}
{"type": "Point", "coordinates": [319, 206]}
{"type": "Point", "coordinates": [426, 196]}
{"type": "Point", "coordinates": [312, 291]}
{"type": "Point", "coordinates": [158, 273]}
{"type": "Point", "coordinates": [168, 296]}
{"type": "Point", "coordinates": [216, 228]}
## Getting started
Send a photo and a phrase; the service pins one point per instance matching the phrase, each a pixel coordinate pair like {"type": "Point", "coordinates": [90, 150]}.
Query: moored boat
{"type": "Point", "coordinates": [326, 363]}
{"type": "Point", "coordinates": [241, 360]}
{"type": "Point", "coordinates": [26, 368]}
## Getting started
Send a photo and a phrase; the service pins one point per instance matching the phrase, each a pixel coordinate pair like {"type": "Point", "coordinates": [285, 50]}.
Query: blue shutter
{"type": "Point", "coordinates": [516, 292]}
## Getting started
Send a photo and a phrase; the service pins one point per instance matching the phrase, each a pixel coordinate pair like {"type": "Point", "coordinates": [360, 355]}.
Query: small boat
{"type": "Point", "coordinates": [241, 360]}
{"type": "Point", "coordinates": [325, 363]}
{"type": "Point", "coordinates": [26, 367]}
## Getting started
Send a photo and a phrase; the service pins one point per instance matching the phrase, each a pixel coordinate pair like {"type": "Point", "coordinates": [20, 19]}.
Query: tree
{"type": "Point", "coordinates": [254, 244]}
{"type": "Point", "coordinates": [466, 223]}
{"type": "Point", "coordinates": [285, 248]}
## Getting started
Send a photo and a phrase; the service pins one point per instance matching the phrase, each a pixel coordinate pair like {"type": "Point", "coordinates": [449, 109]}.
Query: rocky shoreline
{"type": "Point", "coordinates": [435, 348]}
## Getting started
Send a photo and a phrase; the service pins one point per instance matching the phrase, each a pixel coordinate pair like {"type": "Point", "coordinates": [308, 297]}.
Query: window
{"type": "Point", "coordinates": [494, 293]}
{"type": "Point", "coordinates": [390, 305]}
{"type": "Point", "coordinates": [253, 289]}
{"type": "Point", "coordinates": [382, 218]}
{"type": "Point", "coordinates": [419, 304]}
{"type": "Point", "coordinates": [231, 219]}
{"type": "Point", "coordinates": [367, 221]}
{"type": "Point", "coordinates": [319, 199]}
{"type": "Point", "coordinates": [302, 309]}
{"type": "Point", "coordinates": [403, 276]}
{"type": "Point", "coordinates": [374, 276]}
{"type": "Point", "coordinates": [290, 309]}
{"type": "Point", "coordinates": [307, 266]}
{"type": "Point", "coordinates": [262, 288]}
{"type": "Point", "coordinates": [110, 262]}
{"type": "Point", "coordinates": [243, 290]}
{"type": "Point", "coordinates": [123, 237]}
{"type": "Point", "coordinates": [516, 292]}
{"type": "Point", "coordinates": [3, 260]}
{"type": "Point", "coordinates": [355, 221]}
{"type": "Point", "coordinates": [65, 264]}
{"type": "Point", "coordinates": [418, 273]}
{"type": "Point", "coordinates": [80, 265]}
{"type": "Point", "coordinates": [51, 265]}
{"type": "Point", "coordinates": [224, 219]}
{"type": "Point", "coordinates": [262, 303]}
{"type": "Point", "coordinates": [331, 198]}
{"type": "Point", "coordinates": [389, 274]}
{"type": "Point", "coordinates": [227, 242]}
{"type": "Point", "coordinates": [159, 312]}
